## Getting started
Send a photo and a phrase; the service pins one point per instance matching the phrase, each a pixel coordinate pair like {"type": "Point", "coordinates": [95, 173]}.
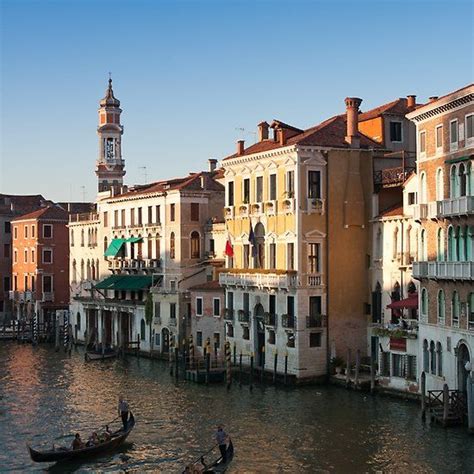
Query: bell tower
{"type": "Point", "coordinates": [110, 165]}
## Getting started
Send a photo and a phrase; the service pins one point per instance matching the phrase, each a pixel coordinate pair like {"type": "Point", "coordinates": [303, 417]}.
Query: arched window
{"type": "Point", "coordinates": [441, 307]}
{"type": "Point", "coordinates": [74, 271]}
{"type": "Point", "coordinates": [172, 246]}
{"type": "Point", "coordinates": [82, 270]}
{"type": "Point", "coordinates": [424, 304]}
{"type": "Point", "coordinates": [149, 250]}
{"type": "Point", "coordinates": [88, 269]}
{"type": "Point", "coordinates": [451, 245]}
{"type": "Point", "coordinates": [132, 248]}
{"type": "Point", "coordinates": [195, 245]}
{"type": "Point", "coordinates": [470, 312]}
{"type": "Point", "coordinates": [462, 180]}
{"type": "Point", "coordinates": [470, 243]}
{"type": "Point", "coordinates": [89, 238]}
{"type": "Point", "coordinates": [440, 245]}
{"type": "Point", "coordinates": [457, 240]}
{"type": "Point", "coordinates": [455, 309]}
{"type": "Point", "coordinates": [439, 185]}
{"type": "Point", "coordinates": [106, 244]}
{"type": "Point", "coordinates": [423, 246]}
{"type": "Point", "coordinates": [78, 321]}
{"type": "Point", "coordinates": [426, 357]}
{"type": "Point", "coordinates": [97, 273]}
{"type": "Point", "coordinates": [72, 237]}
{"type": "Point", "coordinates": [470, 179]}
{"type": "Point", "coordinates": [432, 358]}
{"type": "Point", "coordinates": [82, 237]}
{"type": "Point", "coordinates": [439, 353]}
{"type": "Point", "coordinates": [140, 247]}
{"type": "Point", "coordinates": [157, 247]}
{"type": "Point", "coordinates": [378, 245]}
{"type": "Point", "coordinates": [423, 197]}
{"type": "Point", "coordinates": [462, 241]}
{"type": "Point", "coordinates": [408, 258]}
{"type": "Point", "coordinates": [395, 243]}
{"type": "Point", "coordinates": [142, 329]}
{"type": "Point", "coordinates": [259, 232]}
{"type": "Point", "coordinates": [453, 182]}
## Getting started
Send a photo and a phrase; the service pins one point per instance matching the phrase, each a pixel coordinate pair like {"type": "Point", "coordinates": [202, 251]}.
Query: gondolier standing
{"type": "Point", "coordinates": [123, 411]}
{"type": "Point", "coordinates": [221, 438]}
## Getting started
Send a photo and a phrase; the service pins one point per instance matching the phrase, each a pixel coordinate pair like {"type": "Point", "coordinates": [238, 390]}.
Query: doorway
{"type": "Point", "coordinates": [463, 359]}
{"type": "Point", "coordinates": [260, 334]}
{"type": "Point", "coordinates": [165, 340]}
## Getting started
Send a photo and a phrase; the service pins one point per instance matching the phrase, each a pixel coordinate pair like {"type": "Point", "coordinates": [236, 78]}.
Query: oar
{"type": "Point", "coordinates": [205, 454]}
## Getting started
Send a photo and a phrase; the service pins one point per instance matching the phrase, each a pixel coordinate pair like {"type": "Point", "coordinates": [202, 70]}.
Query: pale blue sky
{"type": "Point", "coordinates": [188, 74]}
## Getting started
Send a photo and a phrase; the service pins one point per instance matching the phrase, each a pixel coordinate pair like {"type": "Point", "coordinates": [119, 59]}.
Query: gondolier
{"type": "Point", "coordinates": [221, 438]}
{"type": "Point", "coordinates": [123, 411]}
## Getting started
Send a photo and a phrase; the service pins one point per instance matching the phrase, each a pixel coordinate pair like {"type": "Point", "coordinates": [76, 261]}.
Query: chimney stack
{"type": "Point", "coordinates": [433, 98]}
{"type": "Point", "coordinates": [411, 101]}
{"type": "Point", "coordinates": [240, 147]}
{"type": "Point", "coordinates": [352, 115]}
{"type": "Point", "coordinates": [282, 136]}
{"type": "Point", "coordinates": [263, 131]}
{"type": "Point", "coordinates": [212, 162]}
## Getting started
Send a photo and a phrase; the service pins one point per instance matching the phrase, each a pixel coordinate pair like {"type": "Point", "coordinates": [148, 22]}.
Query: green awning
{"type": "Point", "coordinates": [125, 282]}
{"type": "Point", "coordinates": [459, 159]}
{"type": "Point", "coordinates": [114, 248]}
{"type": "Point", "coordinates": [134, 240]}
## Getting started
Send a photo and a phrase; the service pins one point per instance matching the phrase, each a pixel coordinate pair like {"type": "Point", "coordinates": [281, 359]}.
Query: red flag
{"type": "Point", "coordinates": [229, 251]}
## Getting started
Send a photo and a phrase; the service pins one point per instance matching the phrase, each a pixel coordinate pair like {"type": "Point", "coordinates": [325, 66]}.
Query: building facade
{"type": "Point", "coordinates": [445, 265]}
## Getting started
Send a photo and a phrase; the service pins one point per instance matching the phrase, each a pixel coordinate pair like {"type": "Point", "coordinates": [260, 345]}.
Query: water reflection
{"type": "Point", "coordinates": [47, 394]}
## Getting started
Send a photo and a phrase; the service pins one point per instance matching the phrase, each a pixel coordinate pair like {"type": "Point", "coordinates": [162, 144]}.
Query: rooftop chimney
{"type": "Point", "coordinates": [411, 101]}
{"type": "Point", "coordinates": [263, 131]}
{"type": "Point", "coordinates": [240, 147]}
{"type": "Point", "coordinates": [212, 164]}
{"type": "Point", "coordinates": [433, 98]}
{"type": "Point", "coordinates": [352, 113]}
{"type": "Point", "coordinates": [282, 137]}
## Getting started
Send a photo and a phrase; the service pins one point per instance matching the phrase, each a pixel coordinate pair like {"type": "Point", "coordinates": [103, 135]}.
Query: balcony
{"type": "Point", "coordinates": [134, 264]}
{"type": "Point", "coordinates": [21, 296]}
{"type": "Point", "coordinates": [228, 314]}
{"type": "Point", "coordinates": [270, 319]}
{"type": "Point", "coordinates": [270, 208]}
{"type": "Point", "coordinates": [289, 205]}
{"type": "Point", "coordinates": [173, 322]}
{"type": "Point", "coordinates": [461, 206]}
{"type": "Point", "coordinates": [287, 321]}
{"type": "Point", "coordinates": [48, 296]}
{"type": "Point", "coordinates": [84, 217]}
{"type": "Point", "coordinates": [244, 210]}
{"type": "Point", "coordinates": [444, 270]}
{"type": "Point", "coordinates": [433, 209]}
{"type": "Point", "coordinates": [229, 212]}
{"type": "Point", "coordinates": [316, 321]}
{"type": "Point", "coordinates": [258, 278]}
{"type": "Point", "coordinates": [406, 329]}
{"type": "Point", "coordinates": [315, 280]}
{"type": "Point", "coordinates": [243, 315]}
{"type": "Point", "coordinates": [420, 212]}
{"type": "Point", "coordinates": [315, 205]}
{"type": "Point", "coordinates": [256, 208]}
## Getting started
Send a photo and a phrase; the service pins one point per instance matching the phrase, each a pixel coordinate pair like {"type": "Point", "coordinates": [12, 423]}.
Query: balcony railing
{"type": "Point", "coordinates": [84, 217]}
{"type": "Point", "coordinates": [134, 264]}
{"type": "Point", "coordinates": [314, 280]}
{"type": "Point", "coordinates": [316, 321]}
{"type": "Point", "coordinates": [243, 315]}
{"type": "Point", "coordinates": [172, 322]}
{"type": "Point", "coordinates": [391, 177]}
{"type": "Point", "coordinates": [420, 212]}
{"type": "Point", "coordinates": [407, 328]}
{"type": "Point", "coordinates": [461, 206]}
{"type": "Point", "coordinates": [259, 280]}
{"type": "Point", "coordinates": [48, 296]}
{"type": "Point", "coordinates": [287, 321]}
{"type": "Point", "coordinates": [444, 270]}
{"type": "Point", "coordinates": [270, 319]}
{"type": "Point", "coordinates": [21, 296]}
{"type": "Point", "coordinates": [228, 314]}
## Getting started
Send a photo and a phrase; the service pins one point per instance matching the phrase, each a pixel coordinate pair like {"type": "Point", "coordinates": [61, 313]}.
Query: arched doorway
{"type": "Point", "coordinates": [165, 340]}
{"type": "Point", "coordinates": [463, 359]}
{"type": "Point", "coordinates": [260, 334]}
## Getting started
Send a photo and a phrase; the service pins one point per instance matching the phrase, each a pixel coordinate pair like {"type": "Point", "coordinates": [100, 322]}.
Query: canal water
{"type": "Point", "coordinates": [46, 395]}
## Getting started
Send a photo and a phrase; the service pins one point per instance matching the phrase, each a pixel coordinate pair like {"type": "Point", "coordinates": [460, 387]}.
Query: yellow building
{"type": "Point", "coordinates": [296, 210]}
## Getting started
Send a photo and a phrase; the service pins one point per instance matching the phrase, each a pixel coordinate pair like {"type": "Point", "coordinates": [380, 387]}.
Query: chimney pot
{"type": "Point", "coordinates": [282, 136]}
{"type": "Point", "coordinates": [263, 131]}
{"type": "Point", "coordinates": [411, 101]}
{"type": "Point", "coordinates": [212, 162]}
{"type": "Point", "coordinates": [433, 98]}
{"type": "Point", "coordinates": [240, 147]}
{"type": "Point", "coordinates": [352, 116]}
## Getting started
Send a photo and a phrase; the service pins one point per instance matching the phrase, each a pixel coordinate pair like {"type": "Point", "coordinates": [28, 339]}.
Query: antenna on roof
{"type": "Point", "coordinates": [145, 175]}
{"type": "Point", "coordinates": [242, 131]}
{"type": "Point", "coordinates": [254, 136]}
{"type": "Point", "coordinates": [83, 193]}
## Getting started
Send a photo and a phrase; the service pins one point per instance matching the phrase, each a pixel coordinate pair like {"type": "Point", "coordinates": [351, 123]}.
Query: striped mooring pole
{"type": "Point", "coordinates": [35, 328]}
{"type": "Point", "coordinates": [65, 331]}
{"type": "Point", "coordinates": [191, 351]}
{"type": "Point", "coordinates": [171, 352]}
{"type": "Point", "coordinates": [228, 364]}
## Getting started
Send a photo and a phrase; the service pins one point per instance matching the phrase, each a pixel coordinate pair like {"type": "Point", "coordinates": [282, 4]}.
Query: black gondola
{"type": "Point", "coordinates": [65, 454]}
{"type": "Point", "coordinates": [99, 355]}
{"type": "Point", "coordinates": [218, 465]}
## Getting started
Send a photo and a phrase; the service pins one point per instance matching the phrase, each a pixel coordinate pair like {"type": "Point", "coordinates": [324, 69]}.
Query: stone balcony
{"type": "Point", "coordinates": [258, 278]}
{"type": "Point", "coordinates": [444, 270]}
{"type": "Point", "coordinates": [22, 296]}
{"type": "Point", "coordinates": [129, 264]}
{"type": "Point", "coordinates": [461, 206]}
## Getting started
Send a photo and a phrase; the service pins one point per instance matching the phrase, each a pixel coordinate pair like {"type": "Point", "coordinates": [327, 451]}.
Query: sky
{"type": "Point", "coordinates": [191, 75]}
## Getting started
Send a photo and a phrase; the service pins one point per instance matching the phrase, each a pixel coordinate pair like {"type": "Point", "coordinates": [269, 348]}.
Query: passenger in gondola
{"type": "Point", "coordinates": [93, 440]}
{"type": "Point", "coordinates": [106, 435]}
{"type": "Point", "coordinates": [77, 442]}
{"type": "Point", "coordinates": [221, 438]}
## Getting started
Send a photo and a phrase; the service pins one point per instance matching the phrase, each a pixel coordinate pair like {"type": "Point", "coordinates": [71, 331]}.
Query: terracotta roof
{"type": "Point", "coordinates": [208, 286]}
{"type": "Point", "coordinates": [77, 207]}
{"type": "Point", "coordinates": [393, 211]}
{"type": "Point", "coordinates": [330, 133]}
{"type": "Point", "coordinates": [50, 212]}
{"type": "Point", "coordinates": [396, 107]}
{"type": "Point", "coordinates": [21, 203]}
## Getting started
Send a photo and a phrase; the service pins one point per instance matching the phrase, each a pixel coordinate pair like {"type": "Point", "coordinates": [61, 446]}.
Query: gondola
{"type": "Point", "coordinates": [66, 454]}
{"type": "Point", "coordinates": [218, 465]}
{"type": "Point", "coordinates": [99, 355]}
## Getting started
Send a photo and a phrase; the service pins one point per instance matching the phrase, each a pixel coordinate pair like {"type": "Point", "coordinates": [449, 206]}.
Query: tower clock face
{"type": "Point", "coordinates": [109, 149]}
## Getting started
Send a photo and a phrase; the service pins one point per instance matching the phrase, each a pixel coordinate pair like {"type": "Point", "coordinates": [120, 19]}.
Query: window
{"type": "Point", "coordinates": [116, 219]}
{"type": "Point", "coordinates": [15, 282]}
{"type": "Point", "coordinates": [195, 245]}
{"type": "Point", "coordinates": [411, 367]}
{"type": "Point", "coordinates": [47, 283]}
{"type": "Point", "coordinates": [315, 306]}
{"type": "Point", "coordinates": [290, 306]}
{"type": "Point", "coordinates": [246, 256]}
{"type": "Point", "coordinates": [172, 212]}
{"type": "Point", "coordinates": [33, 283]}
{"type": "Point", "coordinates": [132, 217]}
{"type": "Point", "coordinates": [314, 258]}
{"type": "Point", "coordinates": [290, 341]}
{"type": "Point", "coordinates": [290, 184]}
{"type": "Point", "coordinates": [212, 247]}
{"type": "Point", "coordinates": [470, 311]}
{"type": "Point", "coordinates": [157, 309]}
{"type": "Point", "coordinates": [230, 300]}
{"type": "Point", "coordinates": [25, 256]}
{"type": "Point", "coordinates": [216, 307]}
{"type": "Point", "coordinates": [315, 339]}
{"type": "Point", "coordinates": [245, 333]}
{"type": "Point", "coordinates": [432, 358]}
{"type": "Point", "coordinates": [33, 231]}
{"type": "Point", "coordinates": [422, 140]}
{"type": "Point", "coordinates": [453, 133]}
{"type": "Point", "coordinates": [78, 321]}
{"type": "Point", "coordinates": [199, 306]}
{"type": "Point", "coordinates": [172, 246]}
{"type": "Point", "coordinates": [122, 217]}
{"type": "Point", "coordinates": [140, 216]}
{"type": "Point", "coordinates": [439, 137]}
{"type": "Point", "coordinates": [195, 211]}
{"type": "Point", "coordinates": [424, 304]}
{"type": "Point", "coordinates": [72, 238]}
{"type": "Point", "coordinates": [32, 255]}
{"type": "Point", "coordinates": [246, 191]}
{"type": "Point", "coordinates": [217, 340]}
{"type": "Point", "coordinates": [7, 227]}
{"type": "Point", "coordinates": [150, 214]}
{"type": "Point", "coordinates": [439, 184]}
{"type": "Point", "coordinates": [25, 231]}
{"type": "Point", "coordinates": [376, 306]}
{"type": "Point", "coordinates": [6, 250]}
{"type": "Point", "coordinates": [106, 219]}
{"type": "Point", "coordinates": [47, 231]}
{"type": "Point", "coordinates": [259, 189]}
{"type": "Point", "coordinates": [15, 256]}
{"type": "Point", "coordinates": [199, 338]}
{"type": "Point", "coordinates": [273, 187]}
{"type": "Point", "coordinates": [15, 232]}
{"type": "Point", "coordinates": [272, 256]}
{"type": "Point", "coordinates": [290, 256]}
{"type": "Point", "coordinates": [142, 329]}
{"type": "Point", "coordinates": [230, 193]}
{"type": "Point", "coordinates": [105, 244]}
{"type": "Point", "coordinates": [441, 307]}
{"type": "Point", "coordinates": [25, 283]}
{"type": "Point", "coordinates": [455, 307]}
{"type": "Point", "coordinates": [411, 199]}
{"type": "Point", "coordinates": [314, 184]}
{"type": "Point", "coordinates": [158, 247]}
{"type": "Point", "coordinates": [173, 310]}
{"type": "Point", "coordinates": [157, 214]}
{"type": "Point", "coordinates": [439, 354]}
{"type": "Point", "coordinates": [271, 337]}
{"type": "Point", "coordinates": [398, 366]}
{"type": "Point", "coordinates": [469, 126]}
{"type": "Point", "coordinates": [396, 131]}
{"type": "Point", "coordinates": [246, 302]}
{"type": "Point", "coordinates": [272, 304]}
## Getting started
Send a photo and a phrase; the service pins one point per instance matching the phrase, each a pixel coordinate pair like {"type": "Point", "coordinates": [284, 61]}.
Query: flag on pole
{"type": "Point", "coordinates": [229, 251]}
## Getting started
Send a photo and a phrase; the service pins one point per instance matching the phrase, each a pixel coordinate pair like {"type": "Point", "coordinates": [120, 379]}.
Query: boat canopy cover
{"type": "Point", "coordinates": [125, 282]}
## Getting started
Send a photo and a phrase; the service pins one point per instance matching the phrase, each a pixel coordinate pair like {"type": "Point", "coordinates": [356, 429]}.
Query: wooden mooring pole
{"type": "Point", "coordinates": [348, 368]}
{"type": "Point", "coordinates": [357, 368]}
{"type": "Point", "coordinates": [445, 404]}
{"type": "Point", "coordinates": [285, 376]}
{"type": "Point", "coordinates": [251, 371]}
{"type": "Point", "coordinates": [240, 370]}
{"type": "Point", "coordinates": [470, 402]}
{"type": "Point", "coordinates": [176, 361]}
{"type": "Point", "coordinates": [423, 395]}
{"type": "Point", "coordinates": [372, 374]}
{"type": "Point", "coordinates": [208, 366]}
{"type": "Point", "coordinates": [262, 368]}
{"type": "Point", "coordinates": [275, 365]}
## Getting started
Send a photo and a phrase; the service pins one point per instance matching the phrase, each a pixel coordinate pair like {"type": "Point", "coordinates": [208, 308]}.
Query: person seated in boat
{"type": "Point", "coordinates": [199, 467]}
{"type": "Point", "coordinates": [77, 442]}
{"type": "Point", "coordinates": [93, 440]}
{"type": "Point", "coordinates": [106, 435]}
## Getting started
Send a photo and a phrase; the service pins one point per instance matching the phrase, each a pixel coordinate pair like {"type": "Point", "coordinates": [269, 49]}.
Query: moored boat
{"type": "Point", "coordinates": [99, 355]}
{"type": "Point", "coordinates": [66, 454]}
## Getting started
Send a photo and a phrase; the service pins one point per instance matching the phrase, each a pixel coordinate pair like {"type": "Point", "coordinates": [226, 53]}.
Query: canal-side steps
{"type": "Point", "coordinates": [447, 407]}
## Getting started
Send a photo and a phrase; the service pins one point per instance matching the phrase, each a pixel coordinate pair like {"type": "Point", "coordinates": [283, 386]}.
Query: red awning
{"type": "Point", "coordinates": [411, 303]}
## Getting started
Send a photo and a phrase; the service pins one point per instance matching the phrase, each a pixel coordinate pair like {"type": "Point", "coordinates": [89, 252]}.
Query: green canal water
{"type": "Point", "coordinates": [44, 395]}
